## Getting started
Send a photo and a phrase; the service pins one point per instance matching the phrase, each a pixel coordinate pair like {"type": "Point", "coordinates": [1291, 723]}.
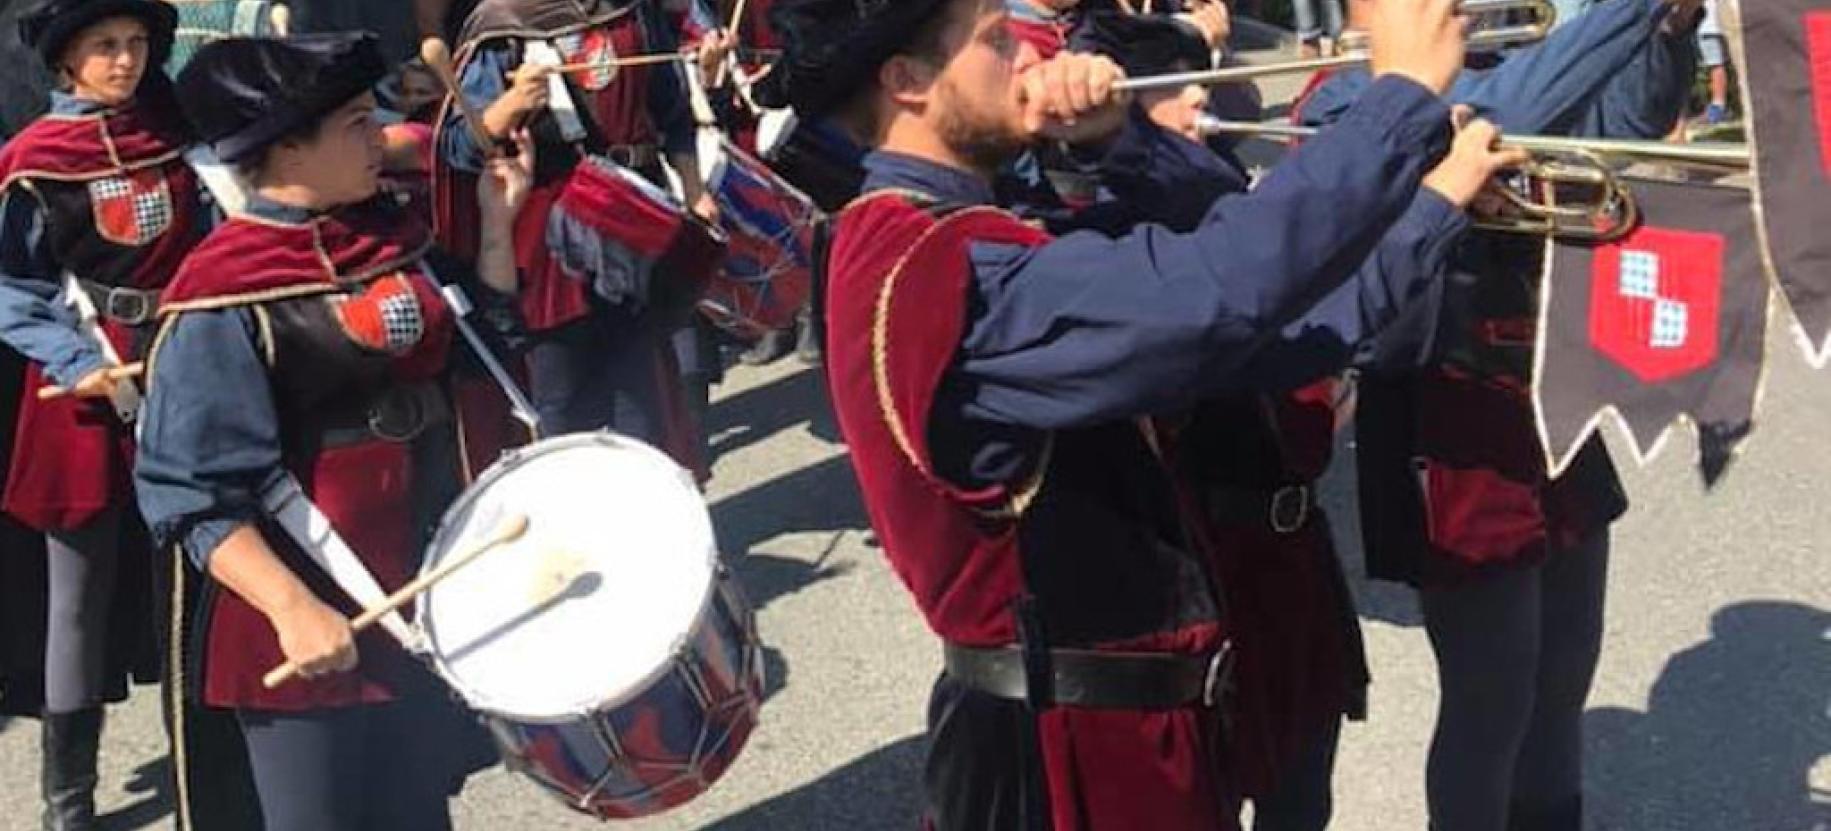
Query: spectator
{"type": "Point", "coordinates": [1714, 51]}
{"type": "Point", "coordinates": [1316, 20]}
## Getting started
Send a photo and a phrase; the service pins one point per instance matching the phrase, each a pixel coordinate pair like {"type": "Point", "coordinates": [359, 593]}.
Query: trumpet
{"type": "Point", "coordinates": [1357, 49]}
{"type": "Point", "coordinates": [1602, 207]}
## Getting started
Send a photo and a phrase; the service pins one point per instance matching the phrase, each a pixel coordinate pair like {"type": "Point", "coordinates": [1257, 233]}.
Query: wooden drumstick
{"type": "Point", "coordinates": [619, 63]}
{"type": "Point", "coordinates": [437, 55]}
{"type": "Point", "coordinates": [510, 530]}
{"type": "Point", "coordinates": [112, 374]}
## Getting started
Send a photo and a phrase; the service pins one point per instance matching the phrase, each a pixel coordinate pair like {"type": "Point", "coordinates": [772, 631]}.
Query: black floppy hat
{"type": "Point", "coordinates": [243, 94]}
{"type": "Point", "coordinates": [833, 48]}
{"type": "Point", "coordinates": [49, 25]}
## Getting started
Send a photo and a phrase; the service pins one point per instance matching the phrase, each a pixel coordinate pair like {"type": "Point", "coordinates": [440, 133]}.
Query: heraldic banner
{"type": "Point", "coordinates": [1787, 87]}
{"type": "Point", "coordinates": [1665, 326]}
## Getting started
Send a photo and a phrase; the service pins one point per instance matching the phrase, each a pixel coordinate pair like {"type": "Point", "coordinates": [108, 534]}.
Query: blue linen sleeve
{"type": "Point", "coordinates": [1090, 328]}
{"type": "Point", "coordinates": [209, 434]}
{"type": "Point", "coordinates": [33, 318]}
{"type": "Point", "coordinates": [1548, 88]}
{"type": "Point", "coordinates": [485, 79]}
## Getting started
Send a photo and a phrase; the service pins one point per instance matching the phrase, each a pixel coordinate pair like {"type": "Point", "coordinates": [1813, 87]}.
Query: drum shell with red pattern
{"type": "Point", "coordinates": [769, 254]}
{"type": "Point", "coordinates": [666, 746]}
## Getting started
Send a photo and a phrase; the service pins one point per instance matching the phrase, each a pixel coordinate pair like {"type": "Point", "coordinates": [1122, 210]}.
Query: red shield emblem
{"type": "Point", "coordinates": [385, 317]}
{"type": "Point", "coordinates": [134, 209]}
{"type": "Point", "coordinates": [1655, 298]}
{"type": "Point", "coordinates": [590, 46]}
{"type": "Point", "coordinates": [1818, 62]}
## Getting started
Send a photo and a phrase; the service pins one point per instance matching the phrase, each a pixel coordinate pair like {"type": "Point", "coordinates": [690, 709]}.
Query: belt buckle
{"type": "Point", "coordinates": [1290, 508]}
{"type": "Point", "coordinates": [398, 417]}
{"type": "Point", "coordinates": [1219, 675]}
{"type": "Point", "coordinates": [127, 307]}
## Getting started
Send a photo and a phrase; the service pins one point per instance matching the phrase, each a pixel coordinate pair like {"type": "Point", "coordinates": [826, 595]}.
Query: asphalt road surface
{"type": "Point", "coordinates": [1711, 712]}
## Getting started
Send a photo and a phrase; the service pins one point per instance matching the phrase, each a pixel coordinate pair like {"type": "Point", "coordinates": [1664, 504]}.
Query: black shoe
{"type": "Point", "coordinates": [68, 778]}
{"type": "Point", "coordinates": [1562, 816]}
{"type": "Point", "coordinates": [767, 349]}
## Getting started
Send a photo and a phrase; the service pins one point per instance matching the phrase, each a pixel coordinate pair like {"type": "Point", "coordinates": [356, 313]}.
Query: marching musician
{"type": "Point", "coordinates": [594, 364]}
{"type": "Point", "coordinates": [304, 348]}
{"type": "Point", "coordinates": [97, 207]}
{"type": "Point", "coordinates": [997, 389]}
{"type": "Point", "coordinates": [1256, 457]}
{"type": "Point", "coordinates": [1510, 565]}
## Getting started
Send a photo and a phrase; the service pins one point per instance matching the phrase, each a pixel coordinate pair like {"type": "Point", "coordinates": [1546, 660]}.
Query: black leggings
{"type": "Point", "coordinates": [82, 565]}
{"type": "Point", "coordinates": [365, 768]}
{"type": "Point", "coordinates": [1516, 653]}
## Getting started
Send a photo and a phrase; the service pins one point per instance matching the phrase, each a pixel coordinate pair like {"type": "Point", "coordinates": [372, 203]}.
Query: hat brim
{"type": "Point", "coordinates": [832, 62]}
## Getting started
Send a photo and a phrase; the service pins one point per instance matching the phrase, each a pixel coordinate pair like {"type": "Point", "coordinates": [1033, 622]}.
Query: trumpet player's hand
{"type": "Point", "coordinates": [1214, 21]}
{"type": "Point", "coordinates": [1472, 162]}
{"type": "Point", "coordinates": [1072, 97]}
{"type": "Point", "coordinates": [1423, 40]}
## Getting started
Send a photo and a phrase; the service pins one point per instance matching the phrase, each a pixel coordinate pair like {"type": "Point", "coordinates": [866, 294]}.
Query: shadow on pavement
{"type": "Point", "coordinates": [1732, 731]}
{"type": "Point", "coordinates": [154, 780]}
{"type": "Point", "coordinates": [881, 789]}
{"type": "Point", "coordinates": [756, 414]}
{"type": "Point", "coordinates": [821, 498]}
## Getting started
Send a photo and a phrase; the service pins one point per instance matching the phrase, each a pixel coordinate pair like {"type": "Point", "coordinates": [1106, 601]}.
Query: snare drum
{"type": "Point", "coordinates": [769, 259]}
{"type": "Point", "coordinates": [614, 661]}
{"type": "Point", "coordinates": [630, 240]}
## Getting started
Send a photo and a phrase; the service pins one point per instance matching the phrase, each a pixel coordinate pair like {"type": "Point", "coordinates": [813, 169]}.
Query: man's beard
{"type": "Point", "coordinates": [981, 140]}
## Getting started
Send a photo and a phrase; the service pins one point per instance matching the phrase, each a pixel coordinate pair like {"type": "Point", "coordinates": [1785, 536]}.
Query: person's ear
{"type": "Point", "coordinates": [908, 80]}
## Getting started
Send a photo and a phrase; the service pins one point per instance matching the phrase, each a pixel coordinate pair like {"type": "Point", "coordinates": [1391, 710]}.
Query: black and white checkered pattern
{"type": "Point", "coordinates": [402, 321]}
{"type": "Point", "coordinates": [152, 206]}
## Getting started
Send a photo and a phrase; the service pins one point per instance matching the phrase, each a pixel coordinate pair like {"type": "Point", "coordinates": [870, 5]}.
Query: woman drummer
{"type": "Point", "coordinates": [95, 205]}
{"type": "Point", "coordinates": [305, 344]}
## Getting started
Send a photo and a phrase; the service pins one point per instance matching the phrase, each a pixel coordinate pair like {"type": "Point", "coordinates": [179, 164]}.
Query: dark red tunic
{"type": "Point", "coordinates": [329, 293]}
{"type": "Point", "coordinates": [122, 209]}
{"type": "Point", "coordinates": [1099, 539]}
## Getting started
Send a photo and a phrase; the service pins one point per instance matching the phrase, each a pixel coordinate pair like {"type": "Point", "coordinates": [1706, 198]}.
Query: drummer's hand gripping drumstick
{"type": "Point", "coordinates": [509, 531]}
{"type": "Point", "coordinates": [113, 374]}
{"type": "Point", "coordinates": [437, 55]}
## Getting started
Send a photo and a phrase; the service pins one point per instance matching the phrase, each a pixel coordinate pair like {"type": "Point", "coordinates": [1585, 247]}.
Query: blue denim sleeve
{"type": "Point", "coordinates": [1548, 88]}
{"type": "Point", "coordinates": [485, 79]}
{"type": "Point", "coordinates": [209, 434]}
{"type": "Point", "coordinates": [1090, 328]}
{"type": "Point", "coordinates": [667, 86]}
{"type": "Point", "coordinates": [33, 318]}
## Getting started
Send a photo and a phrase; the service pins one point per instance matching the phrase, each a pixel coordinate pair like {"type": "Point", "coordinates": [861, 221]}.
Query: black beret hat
{"type": "Point", "coordinates": [833, 48]}
{"type": "Point", "coordinates": [1143, 44]}
{"type": "Point", "coordinates": [243, 94]}
{"type": "Point", "coordinates": [49, 25]}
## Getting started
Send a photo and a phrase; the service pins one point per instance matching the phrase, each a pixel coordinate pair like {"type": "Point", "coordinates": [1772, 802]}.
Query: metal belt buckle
{"type": "Point", "coordinates": [1290, 508]}
{"type": "Point", "coordinates": [398, 416]}
{"type": "Point", "coordinates": [128, 307]}
{"type": "Point", "coordinates": [1219, 675]}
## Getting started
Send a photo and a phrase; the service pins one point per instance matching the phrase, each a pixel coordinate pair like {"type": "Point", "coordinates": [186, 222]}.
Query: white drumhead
{"type": "Point", "coordinates": [594, 601]}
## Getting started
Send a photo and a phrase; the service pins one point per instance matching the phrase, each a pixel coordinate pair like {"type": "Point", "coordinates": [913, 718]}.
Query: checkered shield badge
{"type": "Point", "coordinates": [1787, 84]}
{"type": "Point", "coordinates": [1664, 326]}
{"type": "Point", "coordinates": [133, 209]}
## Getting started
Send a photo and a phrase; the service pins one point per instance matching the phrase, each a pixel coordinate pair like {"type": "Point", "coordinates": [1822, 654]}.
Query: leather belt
{"type": "Point", "coordinates": [1097, 680]}
{"type": "Point", "coordinates": [633, 156]}
{"type": "Point", "coordinates": [399, 414]}
{"type": "Point", "coordinates": [126, 306]}
{"type": "Point", "coordinates": [1285, 509]}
